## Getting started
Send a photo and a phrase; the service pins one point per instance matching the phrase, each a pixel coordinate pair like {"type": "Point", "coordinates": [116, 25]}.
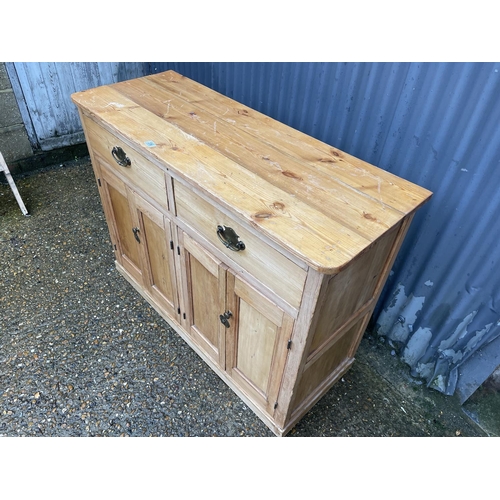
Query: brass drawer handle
{"type": "Point", "coordinates": [229, 238]}
{"type": "Point", "coordinates": [121, 157]}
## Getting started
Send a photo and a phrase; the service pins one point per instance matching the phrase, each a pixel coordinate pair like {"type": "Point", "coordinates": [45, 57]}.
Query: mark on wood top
{"type": "Point", "coordinates": [322, 204]}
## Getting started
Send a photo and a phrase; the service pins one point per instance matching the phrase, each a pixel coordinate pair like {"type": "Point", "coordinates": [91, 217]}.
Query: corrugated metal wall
{"type": "Point", "coordinates": [438, 125]}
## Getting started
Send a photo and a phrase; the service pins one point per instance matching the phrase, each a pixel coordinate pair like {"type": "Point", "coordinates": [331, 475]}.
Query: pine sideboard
{"type": "Point", "coordinates": [264, 248]}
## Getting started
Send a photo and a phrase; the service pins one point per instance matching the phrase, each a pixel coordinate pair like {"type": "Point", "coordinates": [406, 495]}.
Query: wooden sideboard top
{"type": "Point", "coordinates": [321, 204]}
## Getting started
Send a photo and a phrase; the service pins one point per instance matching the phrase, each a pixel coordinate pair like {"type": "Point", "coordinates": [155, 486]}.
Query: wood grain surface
{"type": "Point", "coordinates": [321, 204]}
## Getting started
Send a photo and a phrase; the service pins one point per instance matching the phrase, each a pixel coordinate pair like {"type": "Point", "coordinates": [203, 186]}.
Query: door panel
{"type": "Point", "coordinates": [205, 317]}
{"type": "Point", "coordinates": [205, 279]}
{"type": "Point", "coordinates": [124, 225]}
{"type": "Point", "coordinates": [256, 339]}
{"type": "Point", "coordinates": [117, 200]}
{"type": "Point", "coordinates": [158, 251]}
{"type": "Point", "coordinates": [256, 345]}
{"type": "Point", "coordinates": [157, 255]}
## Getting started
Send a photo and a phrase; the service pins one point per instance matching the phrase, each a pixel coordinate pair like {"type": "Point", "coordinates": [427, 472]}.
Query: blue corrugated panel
{"type": "Point", "coordinates": [435, 124]}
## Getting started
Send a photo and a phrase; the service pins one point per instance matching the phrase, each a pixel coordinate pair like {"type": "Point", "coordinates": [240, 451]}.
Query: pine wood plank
{"type": "Point", "coordinates": [267, 308]}
{"type": "Point", "coordinates": [256, 338]}
{"type": "Point", "coordinates": [206, 309]}
{"type": "Point", "coordinates": [403, 229]}
{"type": "Point", "coordinates": [209, 262]}
{"type": "Point", "coordinates": [323, 366]}
{"type": "Point", "coordinates": [300, 343]}
{"type": "Point", "coordinates": [257, 342]}
{"type": "Point", "coordinates": [158, 258]}
{"type": "Point", "coordinates": [381, 185]}
{"type": "Point", "coordinates": [237, 268]}
{"type": "Point", "coordinates": [365, 215]}
{"type": "Point", "coordinates": [264, 262]}
{"type": "Point", "coordinates": [205, 278]}
{"type": "Point", "coordinates": [149, 178]}
{"type": "Point", "coordinates": [351, 288]}
{"type": "Point", "coordinates": [319, 240]}
{"type": "Point", "coordinates": [121, 216]}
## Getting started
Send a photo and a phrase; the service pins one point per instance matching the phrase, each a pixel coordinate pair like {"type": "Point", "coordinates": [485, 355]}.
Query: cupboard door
{"type": "Point", "coordinates": [156, 244]}
{"type": "Point", "coordinates": [117, 201]}
{"type": "Point", "coordinates": [204, 278]}
{"type": "Point", "coordinates": [256, 345]}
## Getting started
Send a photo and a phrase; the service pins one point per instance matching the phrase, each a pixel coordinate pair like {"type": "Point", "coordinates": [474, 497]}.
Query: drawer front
{"type": "Point", "coordinates": [270, 267]}
{"type": "Point", "coordinates": [140, 172]}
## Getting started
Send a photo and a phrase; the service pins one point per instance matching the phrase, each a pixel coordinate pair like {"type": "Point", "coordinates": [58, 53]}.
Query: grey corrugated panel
{"type": "Point", "coordinates": [435, 124]}
{"type": "Point", "coordinates": [479, 367]}
{"type": "Point", "coordinates": [43, 92]}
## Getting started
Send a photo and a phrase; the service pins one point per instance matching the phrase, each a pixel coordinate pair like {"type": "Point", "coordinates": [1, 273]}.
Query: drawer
{"type": "Point", "coordinates": [140, 172]}
{"type": "Point", "coordinates": [265, 263]}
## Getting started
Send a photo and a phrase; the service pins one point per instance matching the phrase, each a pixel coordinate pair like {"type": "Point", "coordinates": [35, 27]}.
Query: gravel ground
{"type": "Point", "coordinates": [82, 354]}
